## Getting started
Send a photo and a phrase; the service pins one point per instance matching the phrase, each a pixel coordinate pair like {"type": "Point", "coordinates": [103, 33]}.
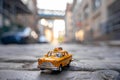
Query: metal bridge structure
{"type": "Point", "coordinates": [51, 14]}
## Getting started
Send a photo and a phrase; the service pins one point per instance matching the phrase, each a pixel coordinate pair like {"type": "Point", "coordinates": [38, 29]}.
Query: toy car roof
{"type": "Point", "coordinates": [59, 49]}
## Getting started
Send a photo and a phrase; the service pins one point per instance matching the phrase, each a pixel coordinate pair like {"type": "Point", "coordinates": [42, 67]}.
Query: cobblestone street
{"type": "Point", "coordinates": [19, 62]}
{"type": "Point", "coordinates": [59, 39]}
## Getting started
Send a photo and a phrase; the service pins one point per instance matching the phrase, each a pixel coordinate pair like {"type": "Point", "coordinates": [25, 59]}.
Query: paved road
{"type": "Point", "coordinates": [19, 62]}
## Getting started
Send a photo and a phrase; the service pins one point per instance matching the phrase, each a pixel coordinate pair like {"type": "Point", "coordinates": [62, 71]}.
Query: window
{"type": "Point", "coordinates": [96, 4]}
{"type": "Point", "coordinates": [51, 53]}
{"type": "Point", "coordinates": [86, 11]}
{"type": "Point", "coordinates": [80, 17]}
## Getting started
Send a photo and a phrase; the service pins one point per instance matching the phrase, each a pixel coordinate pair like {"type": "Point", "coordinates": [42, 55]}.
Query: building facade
{"type": "Point", "coordinates": [91, 19]}
{"type": "Point", "coordinates": [8, 14]}
{"type": "Point", "coordinates": [69, 28]}
{"type": "Point", "coordinates": [29, 20]}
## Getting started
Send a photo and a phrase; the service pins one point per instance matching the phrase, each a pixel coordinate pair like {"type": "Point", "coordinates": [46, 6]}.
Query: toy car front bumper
{"type": "Point", "coordinates": [48, 68]}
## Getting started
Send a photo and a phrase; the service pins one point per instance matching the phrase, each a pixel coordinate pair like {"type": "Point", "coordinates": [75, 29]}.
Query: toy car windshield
{"type": "Point", "coordinates": [59, 55]}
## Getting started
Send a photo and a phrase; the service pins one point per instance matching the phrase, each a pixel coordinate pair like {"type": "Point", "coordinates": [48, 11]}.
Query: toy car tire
{"type": "Point", "coordinates": [60, 68]}
{"type": "Point", "coordinates": [68, 64]}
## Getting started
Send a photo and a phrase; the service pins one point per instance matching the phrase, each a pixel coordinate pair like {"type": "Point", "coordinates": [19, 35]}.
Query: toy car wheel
{"type": "Point", "coordinates": [60, 68]}
{"type": "Point", "coordinates": [68, 64]}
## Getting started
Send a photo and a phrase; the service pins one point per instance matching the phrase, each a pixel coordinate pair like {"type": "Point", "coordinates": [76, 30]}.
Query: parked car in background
{"type": "Point", "coordinates": [42, 39]}
{"type": "Point", "coordinates": [19, 37]}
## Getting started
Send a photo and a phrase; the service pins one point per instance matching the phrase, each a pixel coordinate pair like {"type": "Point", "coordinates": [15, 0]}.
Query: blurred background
{"type": "Point", "coordinates": [59, 21]}
{"type": "Point", "coordinates": [88, 29]}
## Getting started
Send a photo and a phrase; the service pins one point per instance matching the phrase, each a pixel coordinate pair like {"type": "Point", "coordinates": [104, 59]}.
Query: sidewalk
{"type": "Point", "coordinates": [108, 43]}
{"type": "Point", "coordinates": [105, 43]}
{"type": "Point", "coordinates": [114, 43]}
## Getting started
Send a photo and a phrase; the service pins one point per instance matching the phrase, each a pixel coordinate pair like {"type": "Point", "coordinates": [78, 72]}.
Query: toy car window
{"type": "Point", "coordinates": [66, 53]}
{"type": "Point", "coordinates": [59, 55]}
{"type": "Point", "coordinates": [50, 53]}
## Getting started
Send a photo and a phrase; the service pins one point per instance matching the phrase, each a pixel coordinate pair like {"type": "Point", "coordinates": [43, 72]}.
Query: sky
{"type": "Point", "coordinates": [59, 25]}
{"type": "Point", "coordinates": [53, 4]}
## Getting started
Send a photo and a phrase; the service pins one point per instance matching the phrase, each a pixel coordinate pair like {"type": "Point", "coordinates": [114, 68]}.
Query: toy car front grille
{"type": "Point", "coordinates": [47, 64]}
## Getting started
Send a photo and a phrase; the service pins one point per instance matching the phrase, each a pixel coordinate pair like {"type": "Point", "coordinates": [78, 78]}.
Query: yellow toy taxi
{"type": "Point", "coordinates": [55, 60]}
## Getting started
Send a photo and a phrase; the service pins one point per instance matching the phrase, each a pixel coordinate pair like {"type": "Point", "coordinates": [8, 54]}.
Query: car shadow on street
{"type": "Point", "coordinates": [49, 72]}
{"type": "Point", "coordinates": [53, 75]}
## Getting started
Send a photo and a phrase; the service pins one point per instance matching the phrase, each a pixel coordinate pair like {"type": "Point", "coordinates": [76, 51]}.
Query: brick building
{"type": "Point", "coordinates": [69, 36]}
{"type": "Point", "coordinates": [95, 20]}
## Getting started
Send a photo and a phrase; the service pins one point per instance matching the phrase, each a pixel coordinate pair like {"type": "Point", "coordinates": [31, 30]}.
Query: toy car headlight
{"type": "Point", "coordinates": [39, 60]}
